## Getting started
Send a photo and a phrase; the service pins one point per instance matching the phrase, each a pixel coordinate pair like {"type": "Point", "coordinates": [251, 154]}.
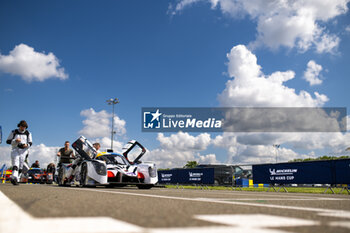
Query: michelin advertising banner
{"type": "Point", "coordinates": [187, 176]}
{"type": "Point", "coordinates": [313, 172]}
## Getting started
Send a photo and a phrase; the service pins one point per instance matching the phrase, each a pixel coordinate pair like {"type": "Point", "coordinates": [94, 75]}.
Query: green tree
{"type": "Point", "coordinates": [191, 164]}
{"type": "Point", "coordinates": [325, 157]}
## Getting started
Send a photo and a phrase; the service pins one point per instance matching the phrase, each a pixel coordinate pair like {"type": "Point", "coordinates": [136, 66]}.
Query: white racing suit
{"type": "Point", "coordinates": [18, 155]}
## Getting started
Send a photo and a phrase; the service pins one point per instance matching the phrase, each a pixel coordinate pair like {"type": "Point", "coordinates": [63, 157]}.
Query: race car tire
{"type": "Point", "coordinates": [83, 175]}
{"type": "Point", "coordinates": [146, 186]}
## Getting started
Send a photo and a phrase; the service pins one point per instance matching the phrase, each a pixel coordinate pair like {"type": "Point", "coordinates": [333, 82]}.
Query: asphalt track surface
{"type": "Point", "coordinates": [49, 208]}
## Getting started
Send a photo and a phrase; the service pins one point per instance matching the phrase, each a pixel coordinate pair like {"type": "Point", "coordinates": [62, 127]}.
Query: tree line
{"type": "Point", "coordinates": [325, 157]}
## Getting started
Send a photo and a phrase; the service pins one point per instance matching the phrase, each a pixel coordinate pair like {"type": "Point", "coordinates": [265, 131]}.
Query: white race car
{"type": "Point", "coordinates": [108, 168]}
{"type": "Point", "coordinates": [127, 169]}
{"type": "Point", "coordinates": [85, 169]}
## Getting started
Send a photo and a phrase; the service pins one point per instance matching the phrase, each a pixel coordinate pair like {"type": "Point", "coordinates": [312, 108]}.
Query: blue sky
{"type": "Point", "coordinates": [166, 54]}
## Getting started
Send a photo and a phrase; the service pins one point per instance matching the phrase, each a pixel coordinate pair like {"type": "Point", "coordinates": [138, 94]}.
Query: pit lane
{"type": "Point", "coordinates": [161, 209]}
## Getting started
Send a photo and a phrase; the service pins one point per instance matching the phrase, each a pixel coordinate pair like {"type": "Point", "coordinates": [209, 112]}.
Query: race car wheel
{"type": "Point", "coordinates": [83, 175]}
{"type": "Point", "coordinates": [147, 186]}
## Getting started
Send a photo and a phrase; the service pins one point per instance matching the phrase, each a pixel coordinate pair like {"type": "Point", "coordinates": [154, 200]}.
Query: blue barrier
{"type": "Point", "coordinates": [342, 172]}
{"type": "Point", "coordinates": [313, 172]}
{"type": "Point", "coordinates": [242, 182]}
{"type": "Point", "coordinates": [187, 176]}
{"type": "Point", "coordinates": [3, 173]}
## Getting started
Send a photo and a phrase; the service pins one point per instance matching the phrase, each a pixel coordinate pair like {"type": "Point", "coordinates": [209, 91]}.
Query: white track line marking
{"type": "Point", "coordinates": [340, 224]}
{"type": "Point", "coordinates": [256, 220]}
{"type": "Point", "coordinates": [252, 223]}
{"type": "Point", "coordinates": [15, 220]}
{"type": "Point", "coordinates": [324, 212]}
{"type": "Point", "coordinates": [273, 199]}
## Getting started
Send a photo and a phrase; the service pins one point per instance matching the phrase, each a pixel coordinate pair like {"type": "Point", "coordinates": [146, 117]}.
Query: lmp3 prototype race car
{"type": "Point", "coordinates": [126, 168]}
{"type": "Point", "coordinates": [108, 168]}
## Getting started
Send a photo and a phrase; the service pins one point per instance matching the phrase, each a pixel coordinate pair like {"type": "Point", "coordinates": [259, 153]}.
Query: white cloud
{"type": "Point", "coordinates": [312, 73]}
{"type": "Point", "coordinates": [327, 43]}
{"type": "Point", "coordinates": [267, 154]}
{"type": "Point", "coordinates": [291, 24]}
{"type": "Point", "coordinates": [5, 155]}
{"type": "Point", "coordinates": [41, 152]}
{"type": "Point", "coordinates": [309, 141]}
{"type": "Point", "coordinates": [31, 65]}
{"type": "Point", "coordinates": [46, 154]}
{"type": "Point", "coordinates": [207, 159]}
{"type": "Point", "coordinates": [119, 125]}
{"type": "Point", "coordinates": [106, 144]}
{"type": "Point", "coordinates": [177, 149]}
{"type": "Point", "coordinates": [170, 159]}
{"type": "Point", "coordinates": [98, 124]}
{"type": "Point", "coordinates": [250, 87]}
{"type": "Point", "coordinates": [181, 5]}
{"type": "Point", "coordinates": [184, 141]}
{"type": "Point", "coordinates": [167, 158]}
{"type": "Point", "coordinates": [285, 23]}
{"type": "Point", "coordinates": [253, 148]}
{"type": "Point", "coordinates": [98, 127]}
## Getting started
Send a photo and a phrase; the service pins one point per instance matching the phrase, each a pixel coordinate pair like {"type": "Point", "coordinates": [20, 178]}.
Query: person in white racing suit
{"type": "Point", "coordinates": [21, 140]}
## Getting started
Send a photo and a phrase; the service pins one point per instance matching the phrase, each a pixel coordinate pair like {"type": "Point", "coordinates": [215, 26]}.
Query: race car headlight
{"type": "Point", "coordinates": [100, 168]}
{"type": "Point", "coordinates": [152, 171]}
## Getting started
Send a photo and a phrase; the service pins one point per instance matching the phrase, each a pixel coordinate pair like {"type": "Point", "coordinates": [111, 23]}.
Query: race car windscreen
{"type": "Point", "coordinates": [112, 159]}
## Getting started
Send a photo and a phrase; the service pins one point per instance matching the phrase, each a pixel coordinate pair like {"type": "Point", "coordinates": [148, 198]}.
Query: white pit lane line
{"type": "Point", "coordinates": [275, 199]}
{"type": "Point", "coordinates": [319, 211]}
{"type": "Point", "coordinates": [15, 220]}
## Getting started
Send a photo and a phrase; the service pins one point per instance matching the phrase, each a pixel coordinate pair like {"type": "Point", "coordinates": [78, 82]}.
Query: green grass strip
{"type": "Point", "coordinates": [316, 190]}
